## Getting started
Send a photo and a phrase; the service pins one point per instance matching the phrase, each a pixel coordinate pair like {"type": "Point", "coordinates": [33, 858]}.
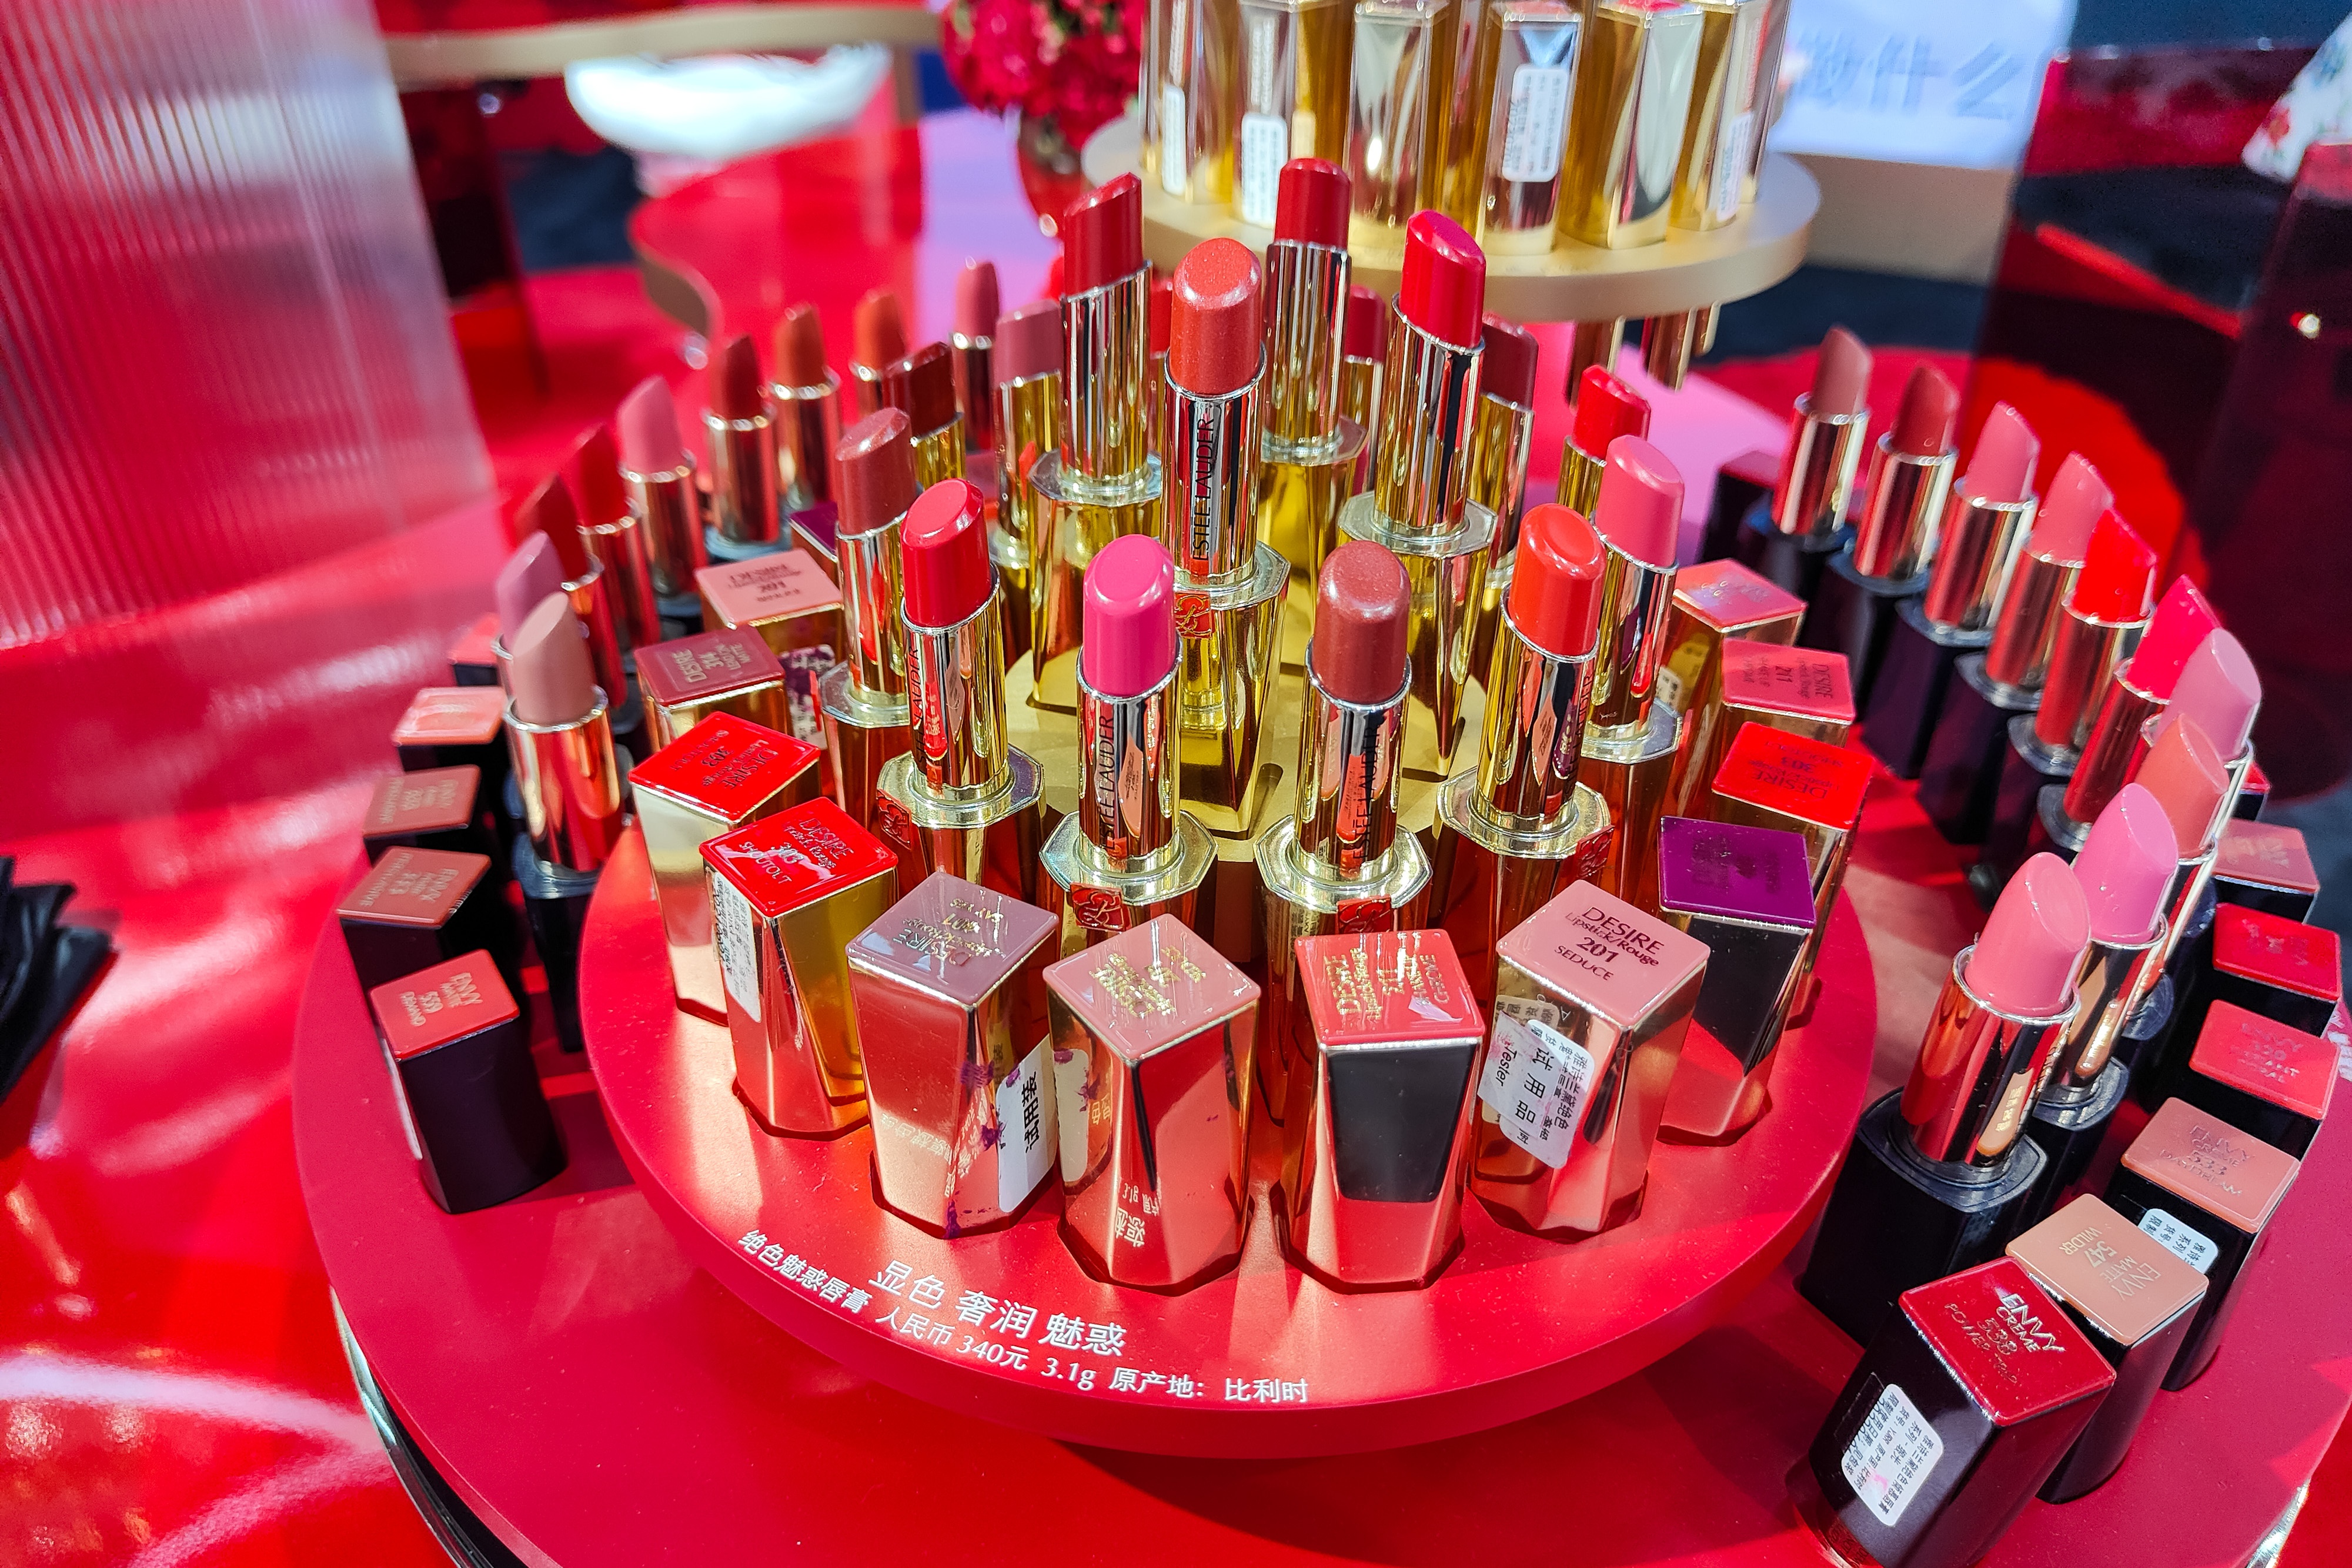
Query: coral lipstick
{"type": "Point", "coordinates": [609, 529]}
{"type": "Point", "coordinates": [804, 401]}
{"type": "Point", "coordinates": [742, 436]}
{"type": "Point", "coordinates": [657, 471]}
{"type": "Point", "coordinates": [1605, 407]}
{"type": "Point", "coordinates": [878, 336]}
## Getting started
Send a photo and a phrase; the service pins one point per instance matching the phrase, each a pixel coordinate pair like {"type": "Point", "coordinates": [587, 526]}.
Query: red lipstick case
{"type": "Point", "coordinates": [468, 1098]}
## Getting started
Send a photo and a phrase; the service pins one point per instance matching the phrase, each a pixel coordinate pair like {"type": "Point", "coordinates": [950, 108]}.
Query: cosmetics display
{"type": "Point", "coordinates": [471, 661]}
{"type": "Point", "coordinates": [2260, 1076]}
{"type": "Point", "coordinates": [804, 404]}
{"type": "Point", "coordinates": [863, 699]}
{"type": "Point", "coordinates": [416, 907]}
{"type": "Point", "coordinates": [1026, 355]}
{"type": "Point", "coordinates": [740, 436]}
{"type": "Point", "coordinates": [1500, 435]}
{"type": "Point", "coordinates": [612, 534]}
{"type": "Point", "coordinates": [1792, 539]}
{"type": "Point", "coordinates": [2276, 968]}
{"type": "Point", "coordinates": [1794, 783]}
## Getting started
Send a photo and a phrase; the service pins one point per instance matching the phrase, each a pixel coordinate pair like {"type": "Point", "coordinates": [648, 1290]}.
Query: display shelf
{"type": "Point", "coordinates": [1570, 282]}
{"type": "Point", "coordinates": [1517, 1324]}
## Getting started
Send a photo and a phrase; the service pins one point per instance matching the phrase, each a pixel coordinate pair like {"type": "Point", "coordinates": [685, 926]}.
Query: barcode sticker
{"type": "Point", "coordinates": [1731, 166]}
{"type": "Point", "coordinates": [739, 947]}
{"type": "Point", "coordinates": [1536, 1080]}
{"type": "Point", "coordinates": [1265, 147]}
{"type": "Point", "coordinates": [2192, 1247]}
{"type": "Point", "coordinates": [1025, 1122]}
{"type": "Point", "coordinates": [1173, 136]}
{"type": "Point", "coordinates": [1892, 1454]}
{"type": "Point", "coordinates": [1536, 133]}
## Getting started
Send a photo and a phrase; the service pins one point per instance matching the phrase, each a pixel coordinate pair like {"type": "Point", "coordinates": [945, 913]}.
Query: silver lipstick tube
{"type": "Point", "coordinates": [1817, 475]}
{"type": "Point", "coordinates": [1976, 1073]}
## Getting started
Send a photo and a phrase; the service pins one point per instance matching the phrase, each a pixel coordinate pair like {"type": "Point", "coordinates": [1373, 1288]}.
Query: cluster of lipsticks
{"type": "Point", "coordinates": [1534, 126]}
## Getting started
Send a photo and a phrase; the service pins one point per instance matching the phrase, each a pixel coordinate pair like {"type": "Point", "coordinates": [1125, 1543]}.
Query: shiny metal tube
{"type": "Point", "coordinates": [1637, 599]}
{"type": "Point", "coordinates": [956, 703]}
{"type": "Point", "coordinates": [2115, 978]}
{"type": "Point", "coordinates": [571, 786]}
{"type": "Point", "coordinates": [2085, 653]}
{"type": "Point", "coordinates": [743, 479]}
{"type": "Point", "coordinates": [1533, 733]}
{"type": "Point", "coordinates": [2019, 654]}
{"type": "Point", "coordinates": [1306, 293]}
{"type": "Point", "coordinates": [2112, 746]}
{"type": "Point", "coordinates": [1106, 403]}
{"type": "Point", "coordinates": [1974, 560]}
{"type": "Point", "coordinates": [1817, 475]}
{"type": "Point", "coordinates": [807, 429]}
{"type": "Point", "coordinates": [972, 359]}
{"type": "Point", "coordinates": [1429, 396]}
{"type": "Point", "coordinates": [1127, 776]}
{"type": "Point", "coordinates": [589, 602]}
{"type": "Point", "coordinates": [620, 549]}
{"type": "Point", "coordinates": [1210, 479]}
{"type": "Point", "coordinates": [1978, 1070]}
{"type": "Point", "coordinates": [1902, 513]}
{"type": "Point", "coordinates": [672, 511]}
{"type": "Point", "coordinates": [874, 634]}
{"type": "Point", "coordinates": [1350, 757]}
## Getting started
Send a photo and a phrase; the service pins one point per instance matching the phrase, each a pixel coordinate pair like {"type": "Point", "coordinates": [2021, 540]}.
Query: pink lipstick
{"type": "Point", "coordinates": [1630, 738]}
{"type": "Point", "coordinates": [2140, 689]}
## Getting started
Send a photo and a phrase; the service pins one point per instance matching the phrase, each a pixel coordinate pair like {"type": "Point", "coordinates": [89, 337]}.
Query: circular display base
{"type": "Point", "coordinates": [1262, 1360]}
{"type": "Point", "coordinates": [1570, 282]}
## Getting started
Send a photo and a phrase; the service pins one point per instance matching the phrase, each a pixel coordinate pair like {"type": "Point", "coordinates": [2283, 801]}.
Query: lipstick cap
{"type": "Point", "coordinates": [1961, 1407]}
{"type": "Point", "coordinates": [462, 1080]}
{"type": "Point", "coordinates": [417, 907]}
{"type": "Point", "coordinates": [1593, 998]}
{"type": "Point", "coordinates": [449, 726]}
{"type": "Point", "coordinates": [2261, 1077]}
{"type": "Point", "coordinates": [787, 894]}
{"type": "Point", "coordinates": [1772, 780]}
{"type": "Point", "coordinates": [1632, 99]}
{"type": "Point", "coordinates": [2133, 1299]}
{"type": "Point", "coordinates": [723, 774]}
{"type": "Point", "coordinates": [2280, 968]}
{"type": "Point", "coordinates": [1797, 691]}
{"type": "Point", "coordinates": [686, 681]}
{"type": "Point", "coordinates": [1714, 602]}
{"type": "Point", "coordinates": [472, 657]}
{"type": "Point", "coordinates": [2206, 1192]}
{"type": "Point", "coordinates": [1154, 1038]}
{"type": "Point", "coordinates": [795, 607]}
{"type": "Point", "coordinates": [950, 992]}
{"type": "Point", "coordinates": [1376, 1137]}
{"type": "Point", "coordinates": [435, 808]}
{"type": "Point", "coordinates": [2265, 866]}
{"type": "Point", "coordinates": [1747, 894]}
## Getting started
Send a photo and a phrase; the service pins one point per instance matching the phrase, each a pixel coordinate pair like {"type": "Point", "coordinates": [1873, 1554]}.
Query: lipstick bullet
{"type": "Point", "coordinates": [657, 471]}
{"type": "Point", "coordinates": [863, 699]}
{"type": "Point", "coordinates": [1296, 56]}
{"type": "Point", "coordinates": [922, 385]}
{"type": "Point", "coordinates": [1792, 541]}
{"type": "Point", "coordinates": [1604, 408]}
{"type": "Point", "coordinates": [728, 671]}
{"type": "Point", "coordinates": [1026, 355]}
{"type": "Point", "coordinates": [610, 533]}
{"type": "Point", "coordinates": [552, 511]}
{"type": "Point", "coordinates": [804, 402]}
{"type": "Point", "coordinates": [1716, 603]}
{"type": "Point", "coordinates": [878, 336]}
{"type": "Point", "coordinates": [745, 512]}
{"type": "Point", "coordinates": [1500, 432]}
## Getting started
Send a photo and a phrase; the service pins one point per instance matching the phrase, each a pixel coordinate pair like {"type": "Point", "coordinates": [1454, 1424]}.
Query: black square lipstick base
{"type": "Point", "coordinates": [1856, 616]}
{"type": "Point", "coordinates": [1784, 560]}
{"type": "Point", "coordinates": [1962, 770]}
{"type": "Point", "coordinates": [555, 903]}
{"type": "Point", "coordinates": [1914, 681]}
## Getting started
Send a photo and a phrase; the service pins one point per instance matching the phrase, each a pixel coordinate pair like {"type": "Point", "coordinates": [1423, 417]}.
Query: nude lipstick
{"type": "Point", "coordinates": [657, 471]}
{"type": "Point", "coordinates": [1517, 828]}
{"type": "Point", "coordinates": [1604, 408]}
{"type": "Point", "coordinates": [2219, 690]}
{"type": "Point", "coordinates": [1229, 583]}
{"type": "Point", "coordinates": [609, 527]}
{"type": "Point", "coordinates": [1026, 355]}
{"type": "Point", "coordinates": [878, 336]}
{"type": "Point", "coordinates": [745, 517]}
{"type": "Point", "coordinates": [1936, 1178]}
{"type": "Point", "coordinates": [1855, 609]}
{"type": "Point", "coordinates": [863, 698]}
{"type": "Point", "coordinates": [1417, 505]}
{"type": "Point", "coordinates": [963, 799]}
{"type": "Point", "coordinates": [1127, 854]}
{"type": "Point", "coordinates": [1104, 480]}
{"type": "Point", "coordinates": [1629, 737]}
{"type": "Point", "coordinates": [530, 574]}
{"type": "Point", "coordinates": [1337, 862]}
{"type": "Point", "coordinates": [804, 402]}
{"type": "Point", "coordinates": [1985, 523]}
{"type": "Point", "coordinates": [1792, 541]}
{"type": "Point", "coordinates": [1311, 446]}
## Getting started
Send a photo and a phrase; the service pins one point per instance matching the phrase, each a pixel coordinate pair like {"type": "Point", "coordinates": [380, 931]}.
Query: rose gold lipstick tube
{"type": "Point", "coordinates": [963, 799]}
{"type": "Point", "coordinates": [2085, 653]}
{"type": "Point", "coordinates": [1418, 509]}
{"type": "Point", "coordinates": [2115, 978]}
{"type": "Point", "coordinates": [1516, 829]}
{"type": "Point", "coordinates": [2019, 655]}
{"type": "Point", "coordinates": [1630, 738]}
{"type": "Point", "coordinates": [807, 427]}
{"type": "Point", "coordinates": [1711, 180]}
{"type": "Point", "coordinates": [2110, 749]}
{"type": "Point", "coordinates": [1901, 508]}
{"type": "Point", "coordinates": [1229, 593]}
{"type": "Point", "coordinates": [863, 699]}
{"type": "Point", "coordinates": [744, 473]}
{"type": "Point", "coordinates": [1103, 481]}
{"type": "Point", "coordinates": [594, 607]}
{"type": "Point", "coordinates": [570, 785]}
{"type": "Point", "coordinates": [1817, 475]}
{"type": "Point", "coordinates": [1976, 1073]}
{"type": "Point", "coordinates": [672, 526]}
{"type": "Point", "coordinates": [1127, 854]}
{"type": "Point", "coordinates": [1309, 450]}
{"type": "Point", "coordinates": [1974, 560]}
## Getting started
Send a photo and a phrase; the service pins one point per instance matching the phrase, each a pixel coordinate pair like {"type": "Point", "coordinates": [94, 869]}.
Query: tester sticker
{"type": "Point", "coordinates": [1536, 1080]}
{"type": "Point", "coordinates": [1025, 1122]}
{"type": "Point", "coordinates": [738, 951]}
{"type": "Point", "coordinates": [2190, 1247]}
{"type": "Point", "coordinates": [1892, 1454]}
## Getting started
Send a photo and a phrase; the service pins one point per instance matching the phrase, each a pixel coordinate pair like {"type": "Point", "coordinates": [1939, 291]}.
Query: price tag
{"type": "Point", "coordinates": [1892, 1454]}
{"type": "Point", "coordinates": [1025, 1123]}
{"type": "Point", "coordinates": [1731, 167]}
{"type": "Point", "coordinates": [1536, 1080]}
{"type": "Point", "coordinates": [1536, 133]}
{"type": "Point", "coordinates": [1173, 135]}
{"type": "Point", "coordinates": [1265, 147]}
{"type": "Point", "coordinates": [739, 947]}
{"type": "Point", "coordinates": [2192, 1247]}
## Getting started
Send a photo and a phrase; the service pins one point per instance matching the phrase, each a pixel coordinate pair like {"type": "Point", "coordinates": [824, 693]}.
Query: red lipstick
{"type": "Point", "coordinates": [1630, 740]}
{"type": "Point", "coordinates": [1366, 327]}
{"type": "Point", "coordinates": [551, 512]}
{"type": "Point", "coordinates": [804, 402]}
{"type": "Point", "coordinates": [1361, 610]}
{"type": "Point", "coordinates": [614, 538]}
{"type": "Point", "coordinates": [922, 385]}
{"type": "Point", "coordinates": [1556, 591]}
{"type": "Point", "coordinates": [1314, 437]}
{"type": "Point", "coordinates": [944, 542]}
{"type": "Point", "coordinates": [1214, 327]}
{"type": "Point", "coordinates": [743, 437]}
{"type": "Point", "coordinates": [1604, 408]}
{"type": "Point", "coordinates": [1442, 287]}
{"type": "Point", "coordinates": [657, 471]}
{"type": "Point", "coordinates": [1102, 236]}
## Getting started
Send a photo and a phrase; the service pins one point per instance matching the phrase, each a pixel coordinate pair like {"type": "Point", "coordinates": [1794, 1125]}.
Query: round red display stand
{"type": "Point", "coordinates": [1262, 1360]}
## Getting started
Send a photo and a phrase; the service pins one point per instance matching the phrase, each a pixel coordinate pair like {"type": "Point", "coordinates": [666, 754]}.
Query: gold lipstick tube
{"type": "Point", "coordinates": [1103, 481]}
{"type": "Point", "coordinates": [743, 477]}
{"type": "Point", "coordinates": [1625, 130]}
{"type": "Point", "coordinates": [1376, 1141]}
{"type": "Point", "coordinates": [1127, 855]}
{"type": "Point", "coordinates": [2019, 655]}
{"type": "Point", "coordinates": [1901, 511]}
{"type": "Point", "coordinates": [1517, 828]}
{"type": "Point", "coordinates": [972, 362]}
{"type": "Point", "coordinates": [1974, 561]}
{"type": "Point", "coordinates": [1194, 48]}
{"type": "Point", "coordinates": [1591, 343]}
{"type": "Point", "coordinates": [788, 894]}
{"type": "Point", "coordinates": [619, 548]}
{"type": "Point", "coordinates": [671, 512]}
{"type": "Point", "coordinates": [948, 989]}
{"type": "Point", "coordinates": [1630, 738]}
{"type": "Point", "coordinates": [1310, 450]}
{"type": "Point", "coordinates": [2085, 653]}
{"type": "Point", "coordinates": [589, 602]}
{"type": "Point", "coordinates": [1295, 56]}
{"type": "Point", "coordinates": [1711, 177]}
{"type": "Point", "coordinates": [961, 799]}
{"type": "Point", "coordinates": [1817, 475]}
{"type": "Point", "coordinates": [1714, 602]}
{"type": "Point", "coordinates": [1028, 425]}
{"type": "Point", "coordinates": [1772, 780]}
{"type": "Point", "coordinates": [1399, 80]}
{"type": "Point", "coordinates": [1977, 1072]}
{"type": "Point", "coordinates": [1580, 477]}
{"type": "Point", "coordinates": [1155, 1184]}
{"type": "Point", "coordinates": [863, 699]}
{"type": "Point", "coordinates": [571, 787]}
{"type": "Point", "coordinates": [1500, 434]}
{"type": "Point", "coordinates": [1337, 862]}
{"type": "Point", "coordinates": [2115, 979]}
{"type": "Point", "coordinates": [724, 774]}
{"type": "Point", "coordinates": [807, 427]}
{"type": "Point", "coordinates": [725, 671]}
{"type": "Point", "coordinates": [2111, 751]}
{"type": "Point", "coordinates": [939, 451]}
{"type": "Point", "coordinates": [1530, 67]}
{"type": "Point", "coordinates": [1229, 595]}
{"type": "Point", "coordinates": [1460, 189]}
{"type": "Point", "coordinates": [1767, 107]}
{"type": "Point", "coordinates": [1418, 509]}
{"type": "Point", "coordinates": [1360, 404]}
{"type": "Point", "coordinates": [1582, 1056]}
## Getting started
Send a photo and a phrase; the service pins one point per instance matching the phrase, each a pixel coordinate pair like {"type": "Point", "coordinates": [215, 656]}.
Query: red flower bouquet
{"type": "Point", "coordinates": [1071, 62]}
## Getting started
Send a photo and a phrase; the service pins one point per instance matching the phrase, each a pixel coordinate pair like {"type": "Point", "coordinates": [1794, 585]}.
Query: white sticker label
{"type": "Point", "coordinates": [2190, 1247]}
{"type": "Point", "coordinates": [1070, 1103]}
{"type": "Point", "coordinates": [1536, 1080]}
{"type": "Point", "coordinates": [1266, 146]}
{"type": "Point", "coordinates": [1025, 1127]}
{"type": "Point", "coordinates": [1173, 136]}
{"type": "Point", "coordinates": [739, 948]}
{"type": "Point", "coordinates": [1537, 130]}
{"type": "Point", "coordinates": [1731, 168]}
{"type": "Point", "coordinates": [1891, 1454]}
